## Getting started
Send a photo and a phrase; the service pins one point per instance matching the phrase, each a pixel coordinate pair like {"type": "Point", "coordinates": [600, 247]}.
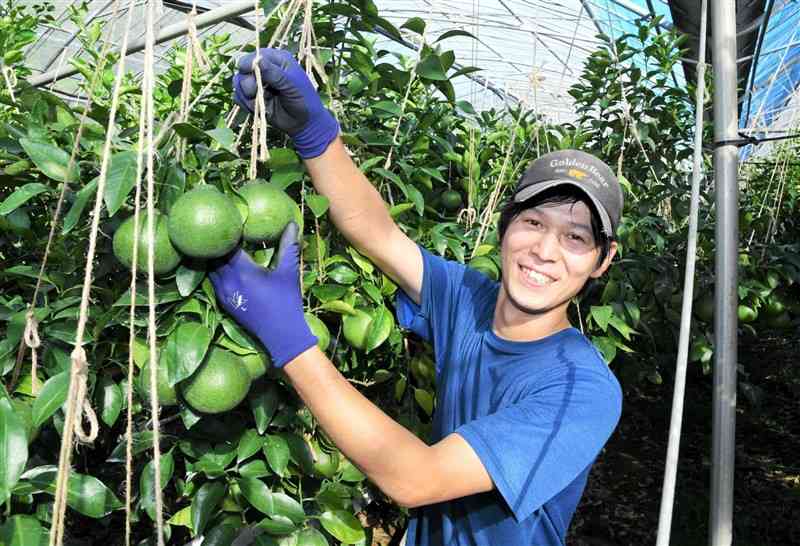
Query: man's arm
{"type": "Point", "coordinates": [400, 464]}
{"type": "Point", "coordinates": [360, 214]}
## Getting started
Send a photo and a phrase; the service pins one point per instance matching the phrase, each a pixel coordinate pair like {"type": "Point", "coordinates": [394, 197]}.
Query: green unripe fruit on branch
{"type": "Point", "coordinates": [355, 328]}
{"type": "Point", "coordinates": [167, 396]}
{"type": "Point", "coordinates": [269, 210]}
{"type": "Point", "coordinates": [205, 223]}
{"type": "Point", "coordinates": [746, 313]}
{"type": "Point", "coordinates": [166, 257]}
{"type": "Point", "coordinates": [451, 200]}
{"type": "Point", "coordinates": [219, 384]}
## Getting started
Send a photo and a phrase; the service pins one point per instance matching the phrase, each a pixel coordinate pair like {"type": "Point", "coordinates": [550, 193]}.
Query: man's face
{"type": "Point", "coordinates": [548, 254]}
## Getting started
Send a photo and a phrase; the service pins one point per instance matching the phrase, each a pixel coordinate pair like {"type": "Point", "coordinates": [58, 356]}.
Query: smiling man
{"type": "Point", "coordinates": [524, 401]}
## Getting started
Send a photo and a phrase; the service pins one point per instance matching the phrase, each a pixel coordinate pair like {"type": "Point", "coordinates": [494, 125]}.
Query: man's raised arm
{"type": "Point", "coordinates": [356, 207]}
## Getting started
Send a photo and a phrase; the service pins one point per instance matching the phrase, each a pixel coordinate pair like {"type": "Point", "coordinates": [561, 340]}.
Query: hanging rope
{"type": "Point", "coordinates": [31, 337]}
{"type": "Point", "coordinates": [258, 147]}
{"type": "Point", "coordinates": [77, 406]}
{"type": "Point", "coordinates": [10, 79]}
{"type": "Point", "coordinates": [676, 419]}
{"type": "Point", "coordinates": [194, 53]}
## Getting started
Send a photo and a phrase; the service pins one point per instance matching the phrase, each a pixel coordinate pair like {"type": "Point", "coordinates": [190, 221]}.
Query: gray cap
{"type": "Point", "coordinates": [579, 169]}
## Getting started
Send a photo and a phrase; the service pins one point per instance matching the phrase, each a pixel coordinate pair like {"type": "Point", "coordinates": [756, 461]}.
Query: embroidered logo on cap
{"type": "Point", "coordinates": [578, 175]}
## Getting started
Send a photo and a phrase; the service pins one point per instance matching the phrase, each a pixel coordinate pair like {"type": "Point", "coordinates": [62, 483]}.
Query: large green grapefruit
{"type": "Point", "coordinates": [166, 257]}
{"type": "Point", "coordinates": [205, 223]}
{"type": "Point", "coordinates": [451, 200]}
{"type": "Point", "coordinates": [166, 392]}
{"type": "Point", "coordinates": [256, 364]}
{"type": "Point", "coordinates": [269, 210]}
{"type": "Point", "coordinates": [219, 384]}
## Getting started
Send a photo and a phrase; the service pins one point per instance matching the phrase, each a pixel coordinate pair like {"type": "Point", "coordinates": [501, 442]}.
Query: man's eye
{"type": "Point", "coordinates": [533, 222]}
{"type": "Point", "coordinates": [577, 238]}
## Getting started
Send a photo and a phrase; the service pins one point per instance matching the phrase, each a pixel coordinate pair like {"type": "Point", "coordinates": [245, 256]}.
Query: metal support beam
{"type": "Point", "coordinates": [232, 9]}
{"type": "Point", "coordinates": [726, 158]}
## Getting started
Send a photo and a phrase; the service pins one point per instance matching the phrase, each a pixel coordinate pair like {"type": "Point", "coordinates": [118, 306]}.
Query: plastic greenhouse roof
{"type": "Point", "coordinates": [530, 51]}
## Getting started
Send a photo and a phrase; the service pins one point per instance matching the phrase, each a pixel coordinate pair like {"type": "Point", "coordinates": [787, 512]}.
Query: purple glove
{"type": "Point", "coordinates": [267, 303]}
{"type": "Point", "coordinates": [292, 103]}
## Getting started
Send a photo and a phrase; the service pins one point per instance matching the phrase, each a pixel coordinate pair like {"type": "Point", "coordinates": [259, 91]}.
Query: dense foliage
{"type": "Point", "coordinates": [266, 463]}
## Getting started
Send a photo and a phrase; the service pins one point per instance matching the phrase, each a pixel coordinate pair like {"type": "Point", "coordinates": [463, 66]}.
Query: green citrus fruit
{"type": "Point", "coordinates": [256, 364]}
{"type": "Point", "coordinates": [166, 257]}
{"type": "Point", "coordinates": [451, 200]}
{"type": "Point", "coordinates": [704, 308]}
{"type": "Point", "coordinates": [205, 223]}
{"type": "Point", "coordinates": [775, 307]}
{"type": "Point", "coordinates": [747, 314]}
{"type": "Point", "coordinates": [219, 384]}
{"type": "Point", "coordinates": [319, 329]}
{"type": "Point", "coordinates": [166, 392]}
{"type": "Point", "coordinates": [325, 464]}
{"type": "Point", "coordinates": [355, 328]}
{"type": "Point", "coordinates": [485, 265]}
{"type": "Point", "coordinates": [269, 210]}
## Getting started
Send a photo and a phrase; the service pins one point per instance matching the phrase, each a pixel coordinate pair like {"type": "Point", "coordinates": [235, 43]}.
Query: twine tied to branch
{"type": "Point", "coordinates": [31, 337]}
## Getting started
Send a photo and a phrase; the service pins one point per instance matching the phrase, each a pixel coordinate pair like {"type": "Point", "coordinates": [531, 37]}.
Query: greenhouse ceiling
{"type": "Point", "coordinates": [530, 51]}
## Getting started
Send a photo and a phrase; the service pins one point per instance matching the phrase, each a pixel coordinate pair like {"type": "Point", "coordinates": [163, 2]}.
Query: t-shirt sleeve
{"type": "Point", "coordinates": [441, 280]}
{"type": "Point", "coordinates": [536, 447]}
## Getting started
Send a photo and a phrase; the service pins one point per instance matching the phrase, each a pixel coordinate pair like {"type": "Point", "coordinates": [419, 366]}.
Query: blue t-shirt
{"type": "Point", "coordinates": [536, 413]}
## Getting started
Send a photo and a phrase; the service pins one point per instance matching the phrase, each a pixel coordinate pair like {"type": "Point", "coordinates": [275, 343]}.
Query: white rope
{"type": "Point", "coordinates": [149, 105]}
{"type": "Point", "coordinates": [676, 419]}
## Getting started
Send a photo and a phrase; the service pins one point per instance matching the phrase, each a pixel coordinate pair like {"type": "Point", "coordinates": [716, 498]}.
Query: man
{"type": "Point", "coordinates": [525, 402]}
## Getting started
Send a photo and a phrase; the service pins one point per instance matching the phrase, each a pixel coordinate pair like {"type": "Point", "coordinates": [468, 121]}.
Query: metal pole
{"type": "Point", "coordinates": [723, 18]}
{"type": "Point", "coordinates": [676, 419]}
{"type": "Point", "coordinates": [231, 9]}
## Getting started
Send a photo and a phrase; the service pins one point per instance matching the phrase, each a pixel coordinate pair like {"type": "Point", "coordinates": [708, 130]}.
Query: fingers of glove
{"type": "Point", "coordinates": [246, 84]}
{"type": "Point", "coordinates": [242, 100]}
{"type": "Point", "coordinates": [246, 63]}
{"type": "Point", "coordinates": [280, 57]}
{"type": "Point", "coordinates": [288, 250]}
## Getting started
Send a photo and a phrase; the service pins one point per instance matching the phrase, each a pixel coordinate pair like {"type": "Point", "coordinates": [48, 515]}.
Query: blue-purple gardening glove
{"type": "Point", "coordinates": [292, 103]}
{"type": "Point", "coordinates": [267, 303]}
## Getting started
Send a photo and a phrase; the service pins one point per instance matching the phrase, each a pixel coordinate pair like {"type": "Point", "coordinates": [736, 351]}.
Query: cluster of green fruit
{"type": "Point", "coordinates": [205, 223]}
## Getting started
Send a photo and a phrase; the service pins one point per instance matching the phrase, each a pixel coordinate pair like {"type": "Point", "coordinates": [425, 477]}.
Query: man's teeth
{"type": "Point", "coordinates": [538, 278]}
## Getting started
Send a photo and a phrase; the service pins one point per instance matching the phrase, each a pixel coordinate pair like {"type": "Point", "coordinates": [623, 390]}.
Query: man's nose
{"type": "Point", "coordinates": [546, 246]}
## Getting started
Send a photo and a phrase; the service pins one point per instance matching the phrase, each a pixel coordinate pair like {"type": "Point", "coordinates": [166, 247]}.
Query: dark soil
{"type": "Point", "coordinates": [621, 503]}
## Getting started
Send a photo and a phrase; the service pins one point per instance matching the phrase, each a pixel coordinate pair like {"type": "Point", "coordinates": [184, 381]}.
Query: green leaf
{"type": "Point", "coordinates": [256, 468]}
{"type": "Point", "coordinates": [225, 137]}
{"type": "Point", "coordinates": [452, 33]}
{"type": "Point", "coordinates": [343, 274]}
{"type": "Point", "coordinates": [380, 328]}
{"type": "Point", "coordinates": [52, 161]}
{"type": "Point", "coordinates": [263, 401]}
{"type": "Point", "coordinates": [318, 204]}
{"type": "Point", "coordinates": [400, 208]}
{"type": "Point", "coordinates": [85, 494]}
{"type": "Point", "coordinates": [21, 530]}
{"type": "Point", "coordinates": [188, 131]}
{"type": "Point", "coordinates": [188, 278]}
{"type": "Point", "coordinates": [338, 306]}
{"type": "Point", "coordinates": [51, 397]}
{"type": "Point", "coordinates": [120, 180]}
{"type": "Point", "coordinates": [214, 461]}
{"type": "Point", "coordinates": [415, 24]}
{"type": "Point", "coordinates": [363, 263]}
{"type": "Point", "coordinates": [373, 292]}
{"type": "Point", "coordinates": [602, 315]}
{"type": "Point", "coordinates": [238, 335]}
{"type": "Point", "coordinates": [607, 347]}
{"type": "Point", "coordinates": [328, 292]}
{"type": "Point", "coordinates": [142, 441]}
{"type": "Point", "coordinates": [147, 482]}
{"type": "Point", "coordinates": [343, 525]}
{"type": "Point", "coordinates": [21, 195]}
{"type": "Point", "coordinates": [287, 507]}
{"type": "Point", "coordinates": [277, 525]}
{"type": "Point", "coordinates": [277, 452]}
{"type": "Point", "coordinates": [221, 535]}
{"type": "Point", "coordinates": [185, 349]}
{"type": "Point", "coordinates": [13, 448]}
{"type": "Point", "coordinates": [388, 106]}
{"type": "Point", "coordinates": [431, 68]}
{"type": "Point", "coordinates": [258, 495]}
{"type": "Point", "coordinates": [425, 400]}
{"type": "Point", "coordinates": [350, 473]}
{"type": "Point", "coordinates": [249, 444]}
{"type": "Point", "coordinates": [204, 504]}
{"type": "Point", "coordinates": [182, 517]}
{"type": "Point", "coordinates": [311, 537]}
{"type": "Point", "coordinates": [109, 398]}
{"type": "Point", "coordinates": [76, 210]}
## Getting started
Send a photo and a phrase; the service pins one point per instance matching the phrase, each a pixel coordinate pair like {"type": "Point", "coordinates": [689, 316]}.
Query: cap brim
{"type": "Point", "coordinates": [531, 191]}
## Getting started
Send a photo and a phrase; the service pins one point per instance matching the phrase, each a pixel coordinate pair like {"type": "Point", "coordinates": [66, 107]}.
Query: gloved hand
{"type": "Point", "coordinates": [292, 103]}
{"type": "Point", "coordinates": [267, 303]}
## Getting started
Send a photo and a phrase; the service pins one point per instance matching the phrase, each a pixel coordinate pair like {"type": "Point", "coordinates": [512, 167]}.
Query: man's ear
{"type": "Point", "coordinates": [612, 251]}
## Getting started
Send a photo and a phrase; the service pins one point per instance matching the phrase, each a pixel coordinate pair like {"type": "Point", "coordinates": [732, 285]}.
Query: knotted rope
{"type": "Point", "coordinates": [10, 79]}
{"type": "Point", "coordinates": [31, 337]}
